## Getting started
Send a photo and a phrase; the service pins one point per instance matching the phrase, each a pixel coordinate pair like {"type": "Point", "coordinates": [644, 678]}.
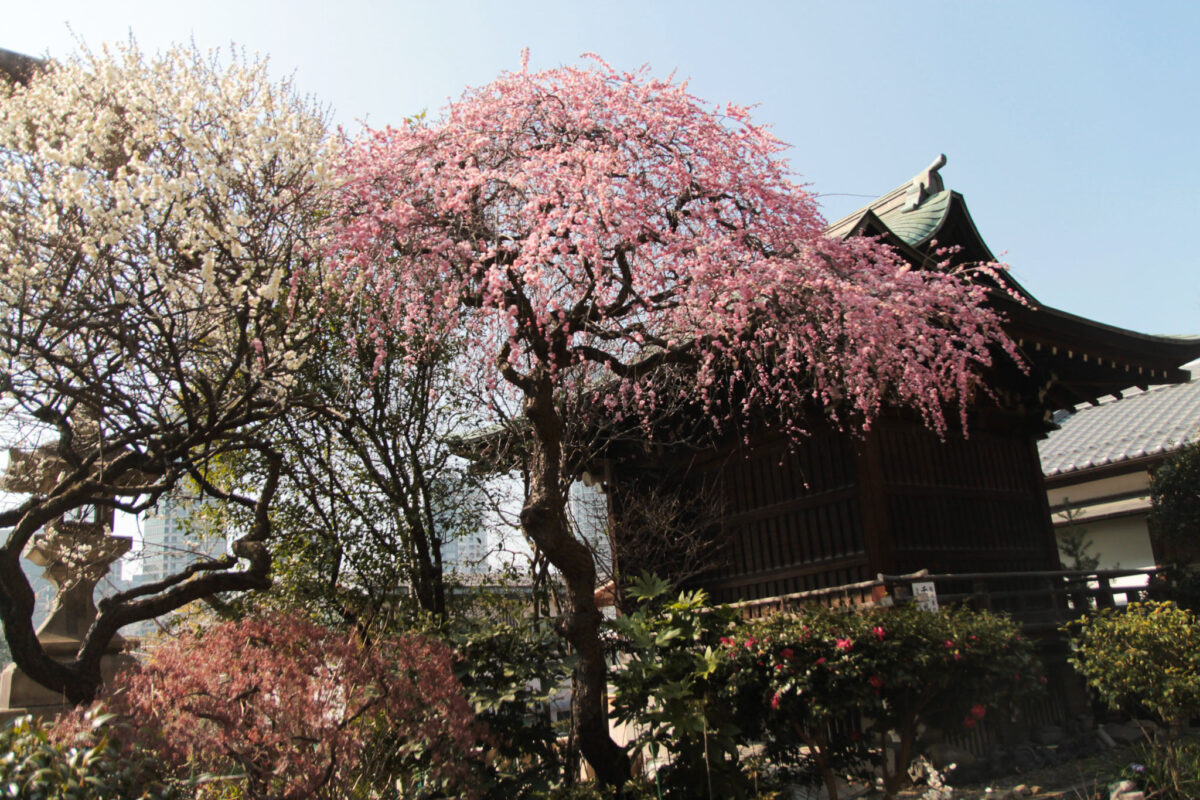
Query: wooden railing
{"type": "Point", "coordinates": [1040, 600]}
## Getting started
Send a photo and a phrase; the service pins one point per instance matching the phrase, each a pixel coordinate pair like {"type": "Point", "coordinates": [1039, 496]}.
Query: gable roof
{"type": "Point", "coordinates": [921, 214]}
{"type": "Point", "coordinates": [1071, 359]}
{"type": "Point", "coordinates": [1138, 425]}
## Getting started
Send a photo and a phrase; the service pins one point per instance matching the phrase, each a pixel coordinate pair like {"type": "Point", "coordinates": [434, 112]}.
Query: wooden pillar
{"type": "Point", "coordinates": [872, 500]}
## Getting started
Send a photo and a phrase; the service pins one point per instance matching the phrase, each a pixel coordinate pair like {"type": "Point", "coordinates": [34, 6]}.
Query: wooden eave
{"type": "Point", "coordinates": [1084, 359]}
{"type": "Point", "coordinates": [1072, 358]}
{"type": "Point", "coordinates": [1063, 480]}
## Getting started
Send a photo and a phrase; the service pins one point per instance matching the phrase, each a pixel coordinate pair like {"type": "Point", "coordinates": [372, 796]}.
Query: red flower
{"type": "Point", "coordinates": [821, 660]}
{"type": "Point", "coordinates": [728, 641]}
{"type": "Point", "coordinates": [775, 701]}
{"type": "Point", "coordinates": [969, 722]}
{"type": "Point", "coordinates": [878, 631]}
{"type": "Point", "coordinates": [875, 681]}
{"type": "Point", "coordinates": [978, 710]}
{"type": "Point", "coordinates": [751, 642]}
{"type": "Point", "coordinates": [845, 645]}
{"type": "Point", "coordinates": [949, 643]}
{"type": "Point", "coordinates": [786, 654]}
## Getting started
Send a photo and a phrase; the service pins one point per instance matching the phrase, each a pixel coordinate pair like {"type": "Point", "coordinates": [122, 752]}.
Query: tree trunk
{"type": "Point", "coordinates": [544, 520]}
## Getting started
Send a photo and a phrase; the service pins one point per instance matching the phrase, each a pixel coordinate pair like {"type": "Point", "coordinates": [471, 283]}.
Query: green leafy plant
{"type": "Point", "coordinates": [805, 683]}
{"type": "Point", "coordinates": [1170, 773]}
{"type": "Point", "coordinates": [511, 671]}
{"type": "Point", "coordinates": [1175, 502]}
{"type": "Point", "coordinates": [1175, 525]}
{"type": "Point", "coordinates": [95, 762]}
{"type": "Point", "coordinates": [669, 687]}
{"type": "Point", "coordinates": [1147, 656]}
{"type": "Point", "coordinates": [827, 693]}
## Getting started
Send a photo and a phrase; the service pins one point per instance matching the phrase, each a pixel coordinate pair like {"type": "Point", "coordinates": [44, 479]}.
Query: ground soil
{"type": "Point", "coordinates": [1080, 779]}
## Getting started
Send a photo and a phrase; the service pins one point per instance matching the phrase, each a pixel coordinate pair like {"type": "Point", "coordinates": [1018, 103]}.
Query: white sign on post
{"type": "Point", "coordinates": [925, 595]}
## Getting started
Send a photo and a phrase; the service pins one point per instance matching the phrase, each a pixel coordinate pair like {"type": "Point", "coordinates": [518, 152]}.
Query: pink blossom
{"type": "Point", "coordinates": [878, 631]}
{"type": "Point", "coordinates": [787, 654]}
{"type": "Point", "coordinates": [545, 247]}
{"type": "Point", "coordinates": [588, 229]}
{"type": "Point", "coordinates": [845, 645]}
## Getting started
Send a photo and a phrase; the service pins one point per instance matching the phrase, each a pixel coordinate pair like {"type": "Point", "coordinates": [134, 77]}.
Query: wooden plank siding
{"type": "Point", "coordinates": [838, 509]}
{"type": "Point", "coordinates": [793, 517]}
{"type": "Point", "coordinates": [963, 505]}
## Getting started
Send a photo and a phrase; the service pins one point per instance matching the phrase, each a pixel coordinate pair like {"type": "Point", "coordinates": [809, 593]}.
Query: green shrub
{"type": "Point", "coordinates": [670, 685]}
{"type": "Point", "coordinates": [699, 682]}
{"type": "Point", "coordinates": [510, 671]}
{"type": "Point", "coordinates": [1147, 655]}
{"type": "Point", "coordinates": [94, 764]}
{"type": "Point", "coordinates": [805, 683]}
{"type": "Point", "coordinates": [1175, 503]}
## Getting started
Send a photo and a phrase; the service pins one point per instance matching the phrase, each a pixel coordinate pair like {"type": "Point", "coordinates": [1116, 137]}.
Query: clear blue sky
{"type": "Point", "coordinates": [1071, 127]}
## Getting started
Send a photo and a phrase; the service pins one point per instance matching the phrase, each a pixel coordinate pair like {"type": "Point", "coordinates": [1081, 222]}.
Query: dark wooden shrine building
{"type": "Point", "coordinates": [840, 508]}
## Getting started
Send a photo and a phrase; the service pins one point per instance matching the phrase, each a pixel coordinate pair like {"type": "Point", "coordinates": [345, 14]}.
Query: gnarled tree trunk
{"type": "Point", "coordinates": [544, 521]}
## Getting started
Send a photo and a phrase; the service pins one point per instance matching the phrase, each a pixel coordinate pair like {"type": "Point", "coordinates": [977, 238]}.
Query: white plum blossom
{"type": "Point", "coordinates": [156, 215]}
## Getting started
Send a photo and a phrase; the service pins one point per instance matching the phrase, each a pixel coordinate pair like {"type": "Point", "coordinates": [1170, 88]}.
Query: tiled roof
{"type": "Point", "coordinates": [916, 225]}
{"type": "Point", "coordinates": [912, 211]}
{"type": "Point", "coordinates": [1139, 424]}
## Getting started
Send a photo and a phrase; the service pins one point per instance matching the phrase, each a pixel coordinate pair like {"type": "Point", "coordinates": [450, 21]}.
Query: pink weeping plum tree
{"type": "Point", "coordinates": [585, 237]}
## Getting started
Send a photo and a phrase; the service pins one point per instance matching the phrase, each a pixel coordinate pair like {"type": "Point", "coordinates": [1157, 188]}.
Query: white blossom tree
{"type": "Point", "coordinates": [155, 212]}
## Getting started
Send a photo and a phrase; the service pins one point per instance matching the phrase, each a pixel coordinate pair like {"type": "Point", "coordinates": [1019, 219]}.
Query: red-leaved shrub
{"type": "Point", "coordinates": [294, 708]}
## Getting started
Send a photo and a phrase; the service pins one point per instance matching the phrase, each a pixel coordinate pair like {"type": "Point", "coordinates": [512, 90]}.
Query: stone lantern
{"type": "Point", "coordinates": [75, 556]}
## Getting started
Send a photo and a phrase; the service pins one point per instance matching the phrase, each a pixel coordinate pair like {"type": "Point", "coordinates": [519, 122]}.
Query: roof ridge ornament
{"type": "Point", "coordinates": [925, 183]}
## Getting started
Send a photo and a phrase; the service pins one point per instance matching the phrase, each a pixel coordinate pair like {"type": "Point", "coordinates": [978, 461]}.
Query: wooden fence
{"type": "Point", "coordinates": [1040, 600]}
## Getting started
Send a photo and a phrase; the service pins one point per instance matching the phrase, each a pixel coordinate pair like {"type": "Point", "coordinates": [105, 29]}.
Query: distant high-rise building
{"type": "Point", "coordinates": [588, 506]}
{"type": "Point", "coordinates": [467, 553]}
{"type": "Point", "coordinates": [170, 541]}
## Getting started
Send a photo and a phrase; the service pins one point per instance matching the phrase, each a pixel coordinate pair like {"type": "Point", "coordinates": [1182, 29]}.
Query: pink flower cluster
{"type": "Point", "coordinates": [581, 227]}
